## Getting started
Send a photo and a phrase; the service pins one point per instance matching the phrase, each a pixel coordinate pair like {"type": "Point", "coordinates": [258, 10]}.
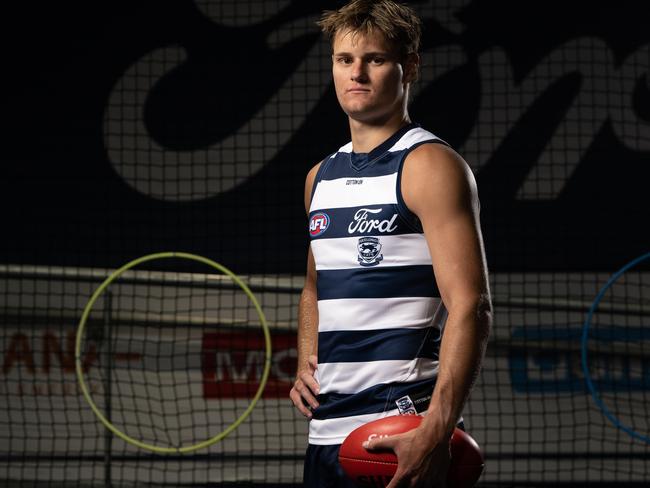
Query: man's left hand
{"type": "Point", "coordinates": [421, 461]}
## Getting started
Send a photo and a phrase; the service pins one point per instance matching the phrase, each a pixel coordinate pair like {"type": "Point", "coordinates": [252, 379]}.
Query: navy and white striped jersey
{"type": "Point", "coordinates": [379, 310]}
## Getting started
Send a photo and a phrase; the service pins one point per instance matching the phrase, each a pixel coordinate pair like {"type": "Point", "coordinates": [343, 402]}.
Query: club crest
{"type": "Point", "coordinates": [369, 251]}
{"type": "Point", "coordinates": [405, 406]}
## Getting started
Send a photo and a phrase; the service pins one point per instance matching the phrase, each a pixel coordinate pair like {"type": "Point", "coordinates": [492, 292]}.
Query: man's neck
{"type": "Point", "coordinates": [367, 136]}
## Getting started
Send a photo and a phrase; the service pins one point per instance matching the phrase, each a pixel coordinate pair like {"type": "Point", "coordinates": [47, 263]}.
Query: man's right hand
{"type": "Point", "coordinates": [305, 388]}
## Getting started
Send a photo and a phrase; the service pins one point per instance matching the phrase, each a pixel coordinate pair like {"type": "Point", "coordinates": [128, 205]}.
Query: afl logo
{"type": "Point", "coordinates": [318, 224]}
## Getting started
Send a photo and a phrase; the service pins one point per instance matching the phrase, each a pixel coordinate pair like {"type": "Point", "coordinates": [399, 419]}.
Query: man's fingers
{"type": "Point", "coordinates": [305, 389]}
{"type": "Point", "coordinates": [380, 443]}
{"type": "Point", "coordinates": [310, 382]}
{"type": "Point", "coordinates": [396, 481]}
{"type": "Point", "coordinates": [308, 396]}
{"type": "Point", "coordinates": [296, 398]}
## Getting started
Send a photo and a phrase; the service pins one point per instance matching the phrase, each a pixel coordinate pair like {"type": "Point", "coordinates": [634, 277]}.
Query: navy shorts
{"type": "Point", "coordinates": [322, 468]}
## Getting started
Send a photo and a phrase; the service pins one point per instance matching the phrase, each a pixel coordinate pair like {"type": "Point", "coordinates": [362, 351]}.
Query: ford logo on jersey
{"type": "Point", "coordinates": [363, 224]}
{"type": "Point", "coordinates": [369, 249]}
{"type": "Point", "coordinates": [318, 224]}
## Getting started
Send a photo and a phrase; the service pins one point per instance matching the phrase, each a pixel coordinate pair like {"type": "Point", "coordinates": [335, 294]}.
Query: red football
{"type": "Point", "coordinates": [377, 468]}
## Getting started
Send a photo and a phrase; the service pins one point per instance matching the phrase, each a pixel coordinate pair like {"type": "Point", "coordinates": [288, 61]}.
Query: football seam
{"type": "Point", "coordinates": [368, 461]}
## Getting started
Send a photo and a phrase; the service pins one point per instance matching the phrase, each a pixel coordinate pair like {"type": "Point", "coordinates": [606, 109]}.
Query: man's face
{"type": "Point", "coordinates": [368, 77]}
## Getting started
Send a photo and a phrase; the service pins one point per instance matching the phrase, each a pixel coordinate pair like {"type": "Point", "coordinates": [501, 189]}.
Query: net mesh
{"type": "Point", "coordinates": [615, 351]}
{"type": "Point", "coordinates": [195, 132]}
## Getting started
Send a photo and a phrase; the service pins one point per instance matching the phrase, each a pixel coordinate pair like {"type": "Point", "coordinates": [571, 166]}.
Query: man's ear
{"type": "Point", "coordinates": [411, 67]}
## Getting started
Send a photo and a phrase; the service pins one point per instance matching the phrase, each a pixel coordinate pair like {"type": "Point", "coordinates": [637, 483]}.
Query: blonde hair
{"type": "Point", "coordinates": [398, 23]}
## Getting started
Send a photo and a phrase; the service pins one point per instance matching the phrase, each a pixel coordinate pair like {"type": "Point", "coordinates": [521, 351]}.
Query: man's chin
{"type": "Point", "coordinates": [367, 117]}
{"type": "Point", "coordinates": [357, 110]}
{"type": "Point", "coordinates": [362, 114]}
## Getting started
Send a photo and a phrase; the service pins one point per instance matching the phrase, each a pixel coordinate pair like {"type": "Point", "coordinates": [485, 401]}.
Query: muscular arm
{"type": "Point", "coordinates": [305, 387]}
{"type": "Point", "coordinates": [439, 188]}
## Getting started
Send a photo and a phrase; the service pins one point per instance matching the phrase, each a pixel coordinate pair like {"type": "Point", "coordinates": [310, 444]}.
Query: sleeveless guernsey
{"type": "Point", "coordinates": [380, 316]}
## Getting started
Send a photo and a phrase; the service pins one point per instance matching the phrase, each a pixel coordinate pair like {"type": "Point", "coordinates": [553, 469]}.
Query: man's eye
{"type": "Point", "coordinates": [378, 60]}
{"type": "Point", "coordinates": [344, 60]}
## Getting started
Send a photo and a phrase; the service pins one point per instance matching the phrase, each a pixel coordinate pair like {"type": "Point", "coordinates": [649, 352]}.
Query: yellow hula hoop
{"type": "Point", "coordinates": [82, 326]}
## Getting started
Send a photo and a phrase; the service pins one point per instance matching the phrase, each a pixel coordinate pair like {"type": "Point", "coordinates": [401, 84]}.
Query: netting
{"type": "Point", "coordinates": [193, 131]}
{"type": "Point", "coordinates": [615, 350]}
{"type": "Point", "coordinates": [171, 358]}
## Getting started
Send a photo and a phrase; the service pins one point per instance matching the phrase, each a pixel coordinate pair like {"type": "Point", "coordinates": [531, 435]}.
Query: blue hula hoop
{"type": "Point", "coordinates": [585, 359]}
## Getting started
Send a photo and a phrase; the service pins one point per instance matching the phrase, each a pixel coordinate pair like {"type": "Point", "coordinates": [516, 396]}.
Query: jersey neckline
{"type": "Point", "coordinates": [360, 161]}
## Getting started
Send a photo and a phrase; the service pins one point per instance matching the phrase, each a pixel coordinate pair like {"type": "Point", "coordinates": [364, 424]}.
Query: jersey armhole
{"type": "Point", "coordinates": [409, 217]}
{"type": "Point", "coordinates": [319, 175]}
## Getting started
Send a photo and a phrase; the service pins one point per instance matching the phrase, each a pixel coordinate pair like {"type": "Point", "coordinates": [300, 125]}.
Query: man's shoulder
{"type": "Point", "coordinates": [435, 157]}
{"type": "Point", "coordinates": [435, 172]}
{"type": "Point", "coordinates": [415, 136]}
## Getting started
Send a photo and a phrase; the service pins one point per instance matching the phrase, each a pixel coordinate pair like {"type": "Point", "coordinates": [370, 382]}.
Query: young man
{"type": "Point", "coordinates": [396, 255]}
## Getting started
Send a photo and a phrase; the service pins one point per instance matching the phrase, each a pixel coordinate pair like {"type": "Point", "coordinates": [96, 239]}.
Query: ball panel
{"type": "Point", "coordinates": [353, 448]}
{"type": "Point", "coordinates": [464, 449]}
{"type": "Point", "coordinates": [369, 468]}
{"type": "Point", "coordinates": [361, 467]}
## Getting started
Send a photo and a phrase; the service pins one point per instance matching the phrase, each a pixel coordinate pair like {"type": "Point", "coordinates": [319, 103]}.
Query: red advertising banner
{"type": "Point", "coordinates": [232, 364]}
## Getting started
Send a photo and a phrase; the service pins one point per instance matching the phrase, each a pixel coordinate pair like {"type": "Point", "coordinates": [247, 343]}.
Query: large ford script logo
{"type": "Point", "coordinates": [364, 225]}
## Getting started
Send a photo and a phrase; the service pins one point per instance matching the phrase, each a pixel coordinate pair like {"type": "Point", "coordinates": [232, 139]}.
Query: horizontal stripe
{"type": "Point", "coordinates": [366, 220]}
{"type": "Point", "coordinates": [338, 415]}
{"type": "Point", "coordinates": [375, 399]}
{"type": "Point", "coordinates": [378, 345]}
{"type": "Point", "coordinates": [380, 313]}
{"type": "Point", "coordinates": [354, 377]}
{"type": "Point", "coordinates": [334, 431]}
{"type": "Point", "coordinates": [343, 253]}
{"type": "Point", "coordinates": [377, 282]}
{"type": "Point", "coordinates": [379, 190]}
{"type": "Point", "coordinates": [413, 137]}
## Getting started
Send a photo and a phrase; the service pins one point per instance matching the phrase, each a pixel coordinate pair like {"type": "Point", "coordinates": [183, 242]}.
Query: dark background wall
{"type": "Point", "coordinates": [565, 83]}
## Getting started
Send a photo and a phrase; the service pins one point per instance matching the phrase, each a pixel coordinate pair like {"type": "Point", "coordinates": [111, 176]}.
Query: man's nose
{"type": "Point", "coordinates": [358, 72]}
